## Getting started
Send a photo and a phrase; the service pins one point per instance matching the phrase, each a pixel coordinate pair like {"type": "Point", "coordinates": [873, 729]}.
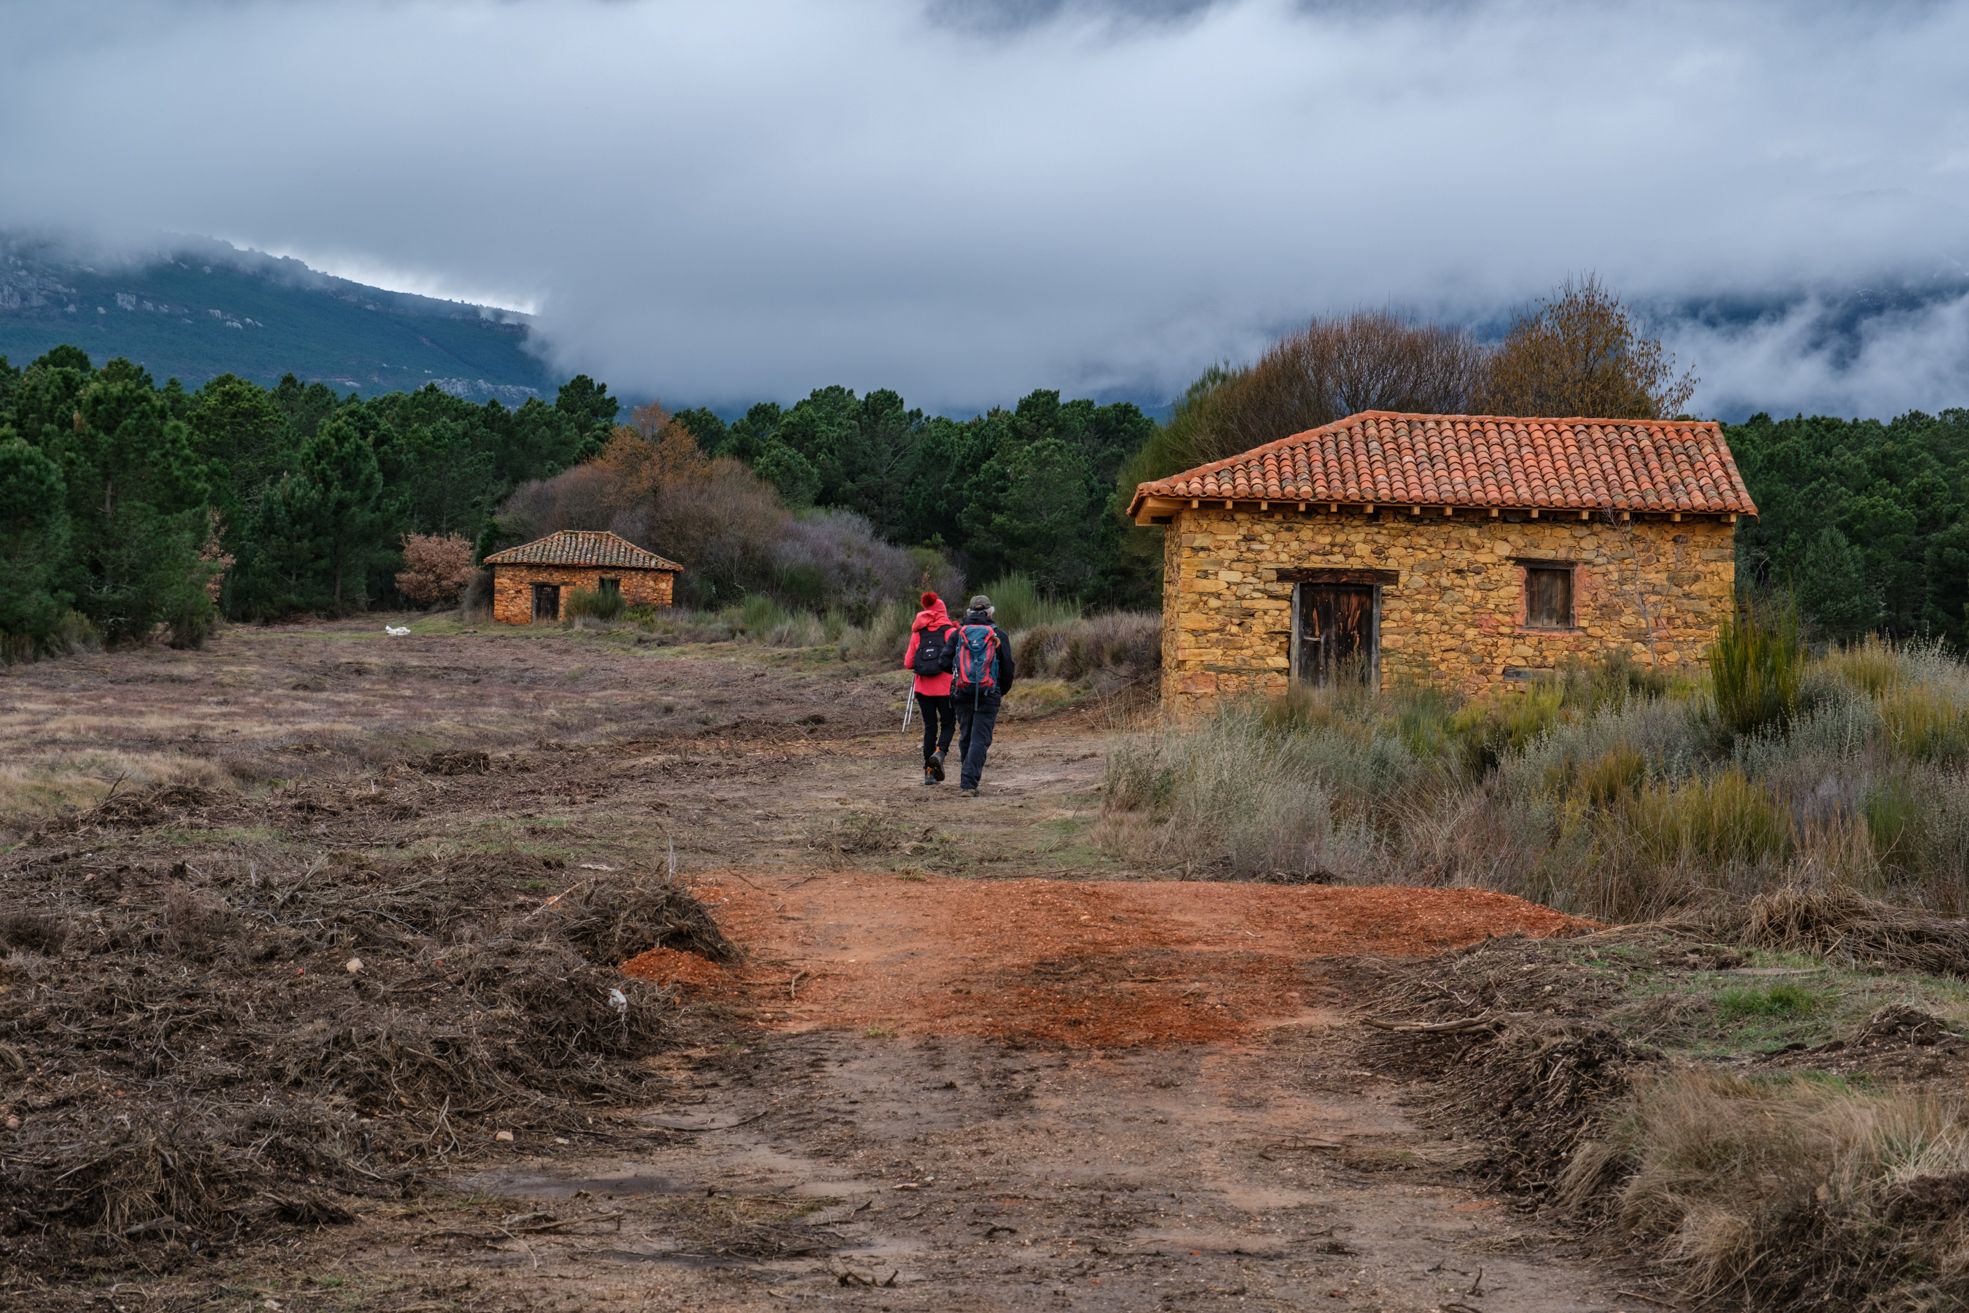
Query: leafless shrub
{"type": "Point", "coordinates": [1332, 368]}
{"type": "Point", "coordinates": [436, 568]}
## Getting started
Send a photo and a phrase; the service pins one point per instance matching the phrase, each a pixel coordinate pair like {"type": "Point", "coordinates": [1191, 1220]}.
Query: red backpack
{"type": "Point", "coordinates": [976, 671]}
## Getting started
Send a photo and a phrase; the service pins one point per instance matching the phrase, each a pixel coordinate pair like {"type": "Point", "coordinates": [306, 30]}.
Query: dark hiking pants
{"type": "Point", "coordinates": [975, 721]}
{"type": "Point", "coordinates": [939, 723]}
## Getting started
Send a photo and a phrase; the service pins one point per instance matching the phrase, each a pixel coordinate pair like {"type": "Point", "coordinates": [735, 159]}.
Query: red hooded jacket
{"type": "Point", "coordinates": [932, 616]}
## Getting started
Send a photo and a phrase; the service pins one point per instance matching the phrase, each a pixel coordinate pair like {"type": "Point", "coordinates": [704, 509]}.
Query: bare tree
{"type": "Point", "coordinates": [1368, 360]}
{"type": "Point", "coordinates": [1580, 353]}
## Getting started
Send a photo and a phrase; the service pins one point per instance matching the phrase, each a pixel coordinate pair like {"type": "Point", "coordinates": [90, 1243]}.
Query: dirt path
{"type": "Point", "coordinates": [1038, 1094]}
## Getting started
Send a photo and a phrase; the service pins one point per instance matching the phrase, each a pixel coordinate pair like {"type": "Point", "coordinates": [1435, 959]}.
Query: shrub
{"type": "Point", "coordinates": [833, 559]}
{"type": "Point", "coordinates": [1508, 722]}
{"type": "Point", "coordinates": [1021, 605]}
{"type": "Point", "coordinates": [1118, 646]}
{"type": "Point", "coordinates": [603, 604]}
{"type": "Point", "coordinates": [436, 568]}
{"type": "Point", "coordinates": [1754, 670]}
{"type": "Point", "coordinates": [71, 632]}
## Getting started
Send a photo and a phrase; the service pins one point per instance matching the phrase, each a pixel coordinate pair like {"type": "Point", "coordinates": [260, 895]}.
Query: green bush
{"type": "Point", "coordinates": [603, 604]}
{"type": "Point", "coordinates": [1754, 671]}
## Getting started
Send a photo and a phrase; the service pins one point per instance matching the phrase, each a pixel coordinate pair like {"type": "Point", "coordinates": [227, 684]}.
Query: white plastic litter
{"type": "Point", "coordinates": [618, 1000]}
{"type": "Point", "coordinates": [396, 631]}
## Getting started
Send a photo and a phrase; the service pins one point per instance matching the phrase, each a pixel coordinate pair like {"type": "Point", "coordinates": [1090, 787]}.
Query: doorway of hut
{"type": "Point", "coordinates": [546, 602]}
{"type": "Point", "coordinates": [1334, 626]}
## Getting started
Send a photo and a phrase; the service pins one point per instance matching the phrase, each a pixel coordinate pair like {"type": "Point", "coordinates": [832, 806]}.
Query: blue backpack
{"type": "Point", "coordinates": [976, 673]}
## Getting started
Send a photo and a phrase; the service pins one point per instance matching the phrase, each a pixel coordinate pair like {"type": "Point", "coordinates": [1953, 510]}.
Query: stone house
{"type": "Point", "coordinates": [1463, 550]}
{"type": "Point", "coordinates": [528, 581]}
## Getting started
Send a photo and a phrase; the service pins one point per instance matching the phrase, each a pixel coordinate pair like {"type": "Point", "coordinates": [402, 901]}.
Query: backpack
{"type": "Point", "coordinates": [934, 651]}
{"type": "Point", "coordinates": [976, 671]}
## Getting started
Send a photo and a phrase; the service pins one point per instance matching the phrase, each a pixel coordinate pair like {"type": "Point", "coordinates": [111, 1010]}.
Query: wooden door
{"type": "Point", "coordinates": [546, 602]}
{"type": "Point", "coordinates": [1335, 633]}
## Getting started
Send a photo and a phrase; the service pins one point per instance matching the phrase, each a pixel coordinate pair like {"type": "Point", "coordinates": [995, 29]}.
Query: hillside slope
{"type": "Point", "coordinates": [201, 308]}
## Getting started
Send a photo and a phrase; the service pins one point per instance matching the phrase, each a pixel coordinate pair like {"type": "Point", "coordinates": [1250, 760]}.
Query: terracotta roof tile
{"type": "Point", "coordinates": [580, 547]}
{"type": "Point", "coordinates": [1380, 456]}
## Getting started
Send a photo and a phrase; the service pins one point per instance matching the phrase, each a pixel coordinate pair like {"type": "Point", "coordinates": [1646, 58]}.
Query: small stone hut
{"type": "Point", "coordinates": [1469, 551]}
{"type": "Point", "coordinates": [528, 581]}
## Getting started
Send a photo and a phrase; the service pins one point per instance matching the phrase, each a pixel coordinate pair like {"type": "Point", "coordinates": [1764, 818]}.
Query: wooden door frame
{"type": "Point", "coordinates": [1373, 580]}
{"type": "Point", "coordinates": [536, 617]}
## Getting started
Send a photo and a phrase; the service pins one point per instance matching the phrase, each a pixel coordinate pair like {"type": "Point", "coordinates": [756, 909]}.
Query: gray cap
{"type": "Point", "coordinates": [981, 603]}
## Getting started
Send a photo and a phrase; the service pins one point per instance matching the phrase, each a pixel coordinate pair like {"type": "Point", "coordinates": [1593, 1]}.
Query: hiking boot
{"type": "Point", "coordinates": [967, 790]}
{"type": "Point", "coordinates": [930, 777]}
{"type": "Point", "coordinates": [936, 766]}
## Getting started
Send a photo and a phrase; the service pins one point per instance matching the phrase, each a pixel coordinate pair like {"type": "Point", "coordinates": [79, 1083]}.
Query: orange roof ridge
{"type": "Point", "coordinates": [1518, 461]}
{"type": "Point", "coordinates": [583, 547]}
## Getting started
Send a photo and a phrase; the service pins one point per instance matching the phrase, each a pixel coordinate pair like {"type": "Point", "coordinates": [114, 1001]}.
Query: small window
{"type": "Point", "coordinates": [1548, 596]}
{"type": "Point", "coordinates": [610, 586]}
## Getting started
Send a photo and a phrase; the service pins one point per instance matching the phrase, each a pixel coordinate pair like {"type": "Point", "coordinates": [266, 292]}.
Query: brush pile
{"type": "Point", "coordinates": [194, 1050]}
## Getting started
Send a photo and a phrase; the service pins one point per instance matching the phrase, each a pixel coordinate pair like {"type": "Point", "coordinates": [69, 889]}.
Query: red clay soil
{"type": "Point", "coordinates": [1099, 965]}
{"type": "Point", "coordinates": [670, 966]}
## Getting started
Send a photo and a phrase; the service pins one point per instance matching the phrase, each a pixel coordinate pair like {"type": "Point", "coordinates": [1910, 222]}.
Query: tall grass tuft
{"type": "Point", "coordinates": [1754, 669]}
{"type": "Point", "coordinates": [1021, 604]}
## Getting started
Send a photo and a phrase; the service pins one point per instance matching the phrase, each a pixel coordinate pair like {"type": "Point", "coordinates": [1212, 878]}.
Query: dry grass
{"type": "Point", "coordinates": [1790, 1193]}
{"type": "Point", "coordinates": [1109, 651]}
{"type": "Point", "coordinates": [46, 783]}
{"type": "Point", "coordinates": [1604, 793]}
{"type": "Point", "coordinates": [1843, 926]}
{"type": "Point", "coordinates": [1773, 1131]}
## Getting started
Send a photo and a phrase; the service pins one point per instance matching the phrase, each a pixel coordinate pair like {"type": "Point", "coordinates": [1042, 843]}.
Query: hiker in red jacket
{"type": "Point", "coordinates": [932, 649]}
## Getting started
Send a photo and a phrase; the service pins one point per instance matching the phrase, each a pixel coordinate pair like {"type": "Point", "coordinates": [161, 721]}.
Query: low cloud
{"type": "Point", "coordinates": [717, 203]}
{"type": "Point", "coordinates": [1825, 356]}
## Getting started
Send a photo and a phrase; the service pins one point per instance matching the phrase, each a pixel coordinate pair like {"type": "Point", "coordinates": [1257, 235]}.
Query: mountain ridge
{"type": "Point", "coordinates": [193, 308]}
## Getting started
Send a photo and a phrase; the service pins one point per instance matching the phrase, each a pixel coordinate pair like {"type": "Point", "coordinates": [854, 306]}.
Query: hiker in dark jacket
{"type": "Point", "coordinates": [980, 677]}
{"type": "Point", "coordinates": [932, 649]}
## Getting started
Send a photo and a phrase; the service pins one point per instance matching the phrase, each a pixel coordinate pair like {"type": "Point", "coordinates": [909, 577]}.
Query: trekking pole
{"type": "Point", "coordinates": [908, 709]}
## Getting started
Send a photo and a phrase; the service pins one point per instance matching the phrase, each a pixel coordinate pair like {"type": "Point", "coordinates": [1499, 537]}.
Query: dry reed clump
{"type": "Point", "coordinates": [1789, 1193]}
{"type": "Point", "coordinates": [203, 1049]}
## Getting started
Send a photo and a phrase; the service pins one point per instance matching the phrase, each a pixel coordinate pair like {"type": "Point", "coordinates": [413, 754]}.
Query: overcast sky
{"type": "Point", "coordinates": [751, 198]}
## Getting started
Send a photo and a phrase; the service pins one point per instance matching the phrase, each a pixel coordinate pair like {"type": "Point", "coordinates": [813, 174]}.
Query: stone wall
{"type": "Point", "coordinates": [512, 587]}
{"type": "Point", "coordinates": [1455, 615]}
